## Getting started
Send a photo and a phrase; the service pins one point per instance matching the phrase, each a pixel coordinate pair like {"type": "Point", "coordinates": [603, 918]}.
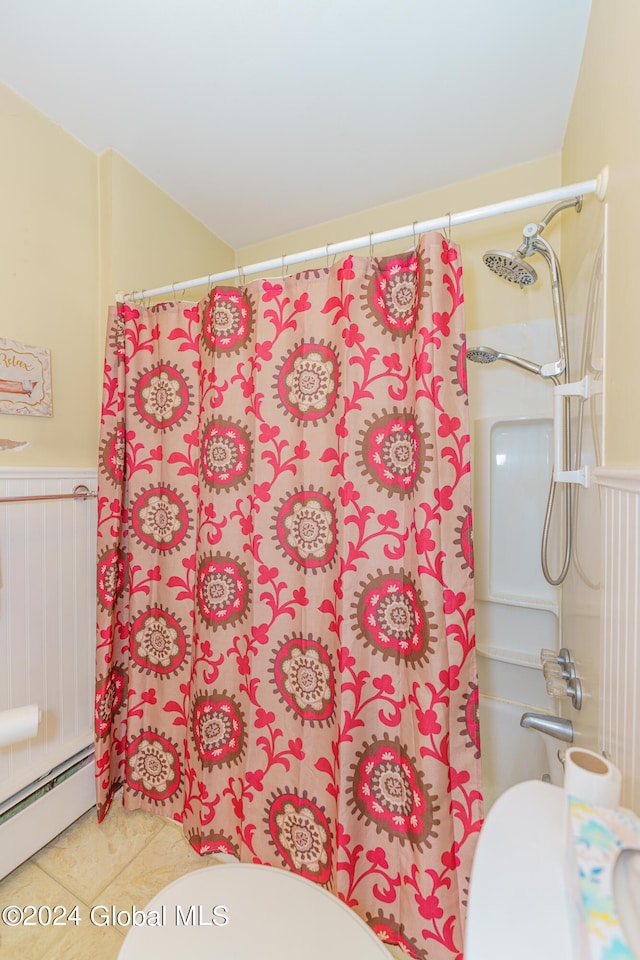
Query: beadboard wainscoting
{"type": "Point", "coordinates": [47, 653]}
{"type": "Point", "coordinates": [620, 648]}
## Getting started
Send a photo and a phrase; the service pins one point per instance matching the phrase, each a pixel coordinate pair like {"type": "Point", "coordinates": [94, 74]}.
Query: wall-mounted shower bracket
{"type": "Point", "coordinates": [553, 369]}
{"type": "Point", "coordinates": [583, 389]}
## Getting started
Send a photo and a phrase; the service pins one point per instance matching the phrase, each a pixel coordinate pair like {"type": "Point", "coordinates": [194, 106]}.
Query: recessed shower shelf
{"type": "Point", "coordinates": [517, 657]}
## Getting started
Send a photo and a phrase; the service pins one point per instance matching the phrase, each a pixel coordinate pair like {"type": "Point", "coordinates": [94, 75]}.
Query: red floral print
{"type": "Point", "coordinates": [285, 646]}
{"type": "Point", "coordinates": [307, 382]}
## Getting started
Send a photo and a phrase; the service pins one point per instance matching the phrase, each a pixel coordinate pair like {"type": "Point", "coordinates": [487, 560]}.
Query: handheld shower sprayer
{"type": "Point", "coordinates": [489, 355]}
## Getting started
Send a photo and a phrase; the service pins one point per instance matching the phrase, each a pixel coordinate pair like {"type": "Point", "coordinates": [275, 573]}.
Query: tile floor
{"type": "Point", "coordinates": [124, 861]}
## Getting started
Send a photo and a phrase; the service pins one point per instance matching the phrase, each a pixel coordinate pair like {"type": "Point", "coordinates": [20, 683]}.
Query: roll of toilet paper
{"type": "Point", "coordinates": [18, 724]}
{"type": "Point", "coordinates": [590, 777]}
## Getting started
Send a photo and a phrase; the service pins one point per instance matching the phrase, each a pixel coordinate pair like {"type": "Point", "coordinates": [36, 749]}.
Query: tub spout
{"type": "Point", "coordinates": [556, 727]}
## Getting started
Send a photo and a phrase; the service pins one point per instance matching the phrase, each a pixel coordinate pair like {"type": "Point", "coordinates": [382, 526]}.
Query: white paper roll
{"type": "Point", "coordinates": [18, 724]}
{"type": "Point", "coordinates": [590, 777]}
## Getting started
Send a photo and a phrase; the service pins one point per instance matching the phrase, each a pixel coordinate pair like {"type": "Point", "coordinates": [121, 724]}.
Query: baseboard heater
{"type": "Point", "coordinates": [31, 818]}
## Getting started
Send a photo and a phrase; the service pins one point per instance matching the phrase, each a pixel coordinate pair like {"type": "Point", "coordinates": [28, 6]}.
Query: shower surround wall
{"type": "Point", "coordinates": [518, 612]}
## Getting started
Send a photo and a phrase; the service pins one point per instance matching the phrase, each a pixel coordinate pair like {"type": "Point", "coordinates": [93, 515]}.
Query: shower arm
{"type": "Point", "coordinates": [563, 205]}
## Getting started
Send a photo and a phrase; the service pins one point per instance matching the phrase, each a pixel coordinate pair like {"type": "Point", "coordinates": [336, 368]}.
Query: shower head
{"type": "Point", "coordinates": [489, 355]}
{"type": "Point", "coordinates": [511, 267]}
{"type": "Point", "coordinates": [514, 268]}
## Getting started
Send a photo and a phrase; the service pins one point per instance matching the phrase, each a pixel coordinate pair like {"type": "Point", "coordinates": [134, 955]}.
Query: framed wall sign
{"type": "Point", "coordinates": [25, 379]}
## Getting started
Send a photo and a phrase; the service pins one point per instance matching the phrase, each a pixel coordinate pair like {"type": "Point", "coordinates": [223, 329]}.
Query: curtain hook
{"type": "Point", "coordinates": [178, 296]}
{"type": "Point", "coordinates": [241, 278]}
{"type": "Point", "coordinates": [282, 277]}
{"type": "Point", "coordinates": [448, 232]}
{"type": "Point", "coordinates": [371, 246]}
{"type": "Point", "coordinates": [327, 250]}
{"type": "Point", "coordinates": [415, 238]}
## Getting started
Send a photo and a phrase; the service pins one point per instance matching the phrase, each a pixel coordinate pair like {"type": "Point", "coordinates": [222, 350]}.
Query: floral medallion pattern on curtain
{"type": "Point", "coordinates": [286, 659]}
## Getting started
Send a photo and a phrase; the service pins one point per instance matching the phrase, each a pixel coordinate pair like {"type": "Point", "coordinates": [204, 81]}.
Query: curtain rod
{"type": "Point", "coordinates": [597, 186]}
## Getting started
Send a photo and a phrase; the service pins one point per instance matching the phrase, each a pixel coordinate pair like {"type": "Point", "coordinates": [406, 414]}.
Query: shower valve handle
{"type": "Point", "coordinates": [558, 670]}
{"type": "Point", "coordinates": [548, 656]}
{"type": "Point", "coordinates": [571, 688]}
{"type": "Point", "coordinates": [551, 669]}
{"type": "Point", "coordinates": [562, 656]}
{"type": "Point", "coordinates": [556, 687]}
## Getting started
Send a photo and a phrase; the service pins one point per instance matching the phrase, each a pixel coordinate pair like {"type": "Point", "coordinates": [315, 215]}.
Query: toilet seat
{"type": "Point", "coordinates": [271, 913]}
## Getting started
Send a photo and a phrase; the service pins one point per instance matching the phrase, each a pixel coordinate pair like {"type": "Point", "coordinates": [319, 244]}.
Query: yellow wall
{"type": "Point", "coordinates": [49, 256]}
{"type": "Point", "coordinates": [488, 301]}
{"type": "Point", "coordinates": [604, 128]}
{"type": "Point", "coordinates": [76, 228]}
{"type": "Point", "coordinates": [148, 240]}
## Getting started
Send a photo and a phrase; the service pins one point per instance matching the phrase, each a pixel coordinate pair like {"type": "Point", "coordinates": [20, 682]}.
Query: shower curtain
{"type": "Point", "coordinates": [285, 660]}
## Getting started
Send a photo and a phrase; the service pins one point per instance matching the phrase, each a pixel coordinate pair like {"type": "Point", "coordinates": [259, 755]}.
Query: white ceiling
{"type": "Point", "coordinates": [265, 116]}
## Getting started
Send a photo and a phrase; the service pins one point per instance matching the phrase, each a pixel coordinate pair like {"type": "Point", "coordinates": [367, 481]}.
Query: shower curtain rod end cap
{"type": "Point", "coordinates": [602, 182]}
{"type": "Point", "coordinates": [120, 296]}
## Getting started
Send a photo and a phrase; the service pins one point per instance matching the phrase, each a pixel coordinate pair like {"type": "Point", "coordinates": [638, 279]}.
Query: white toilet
{"type": "Point", "coordinates": [245, 911]}
{"type": "Point", "coordinates": [517, 898]}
